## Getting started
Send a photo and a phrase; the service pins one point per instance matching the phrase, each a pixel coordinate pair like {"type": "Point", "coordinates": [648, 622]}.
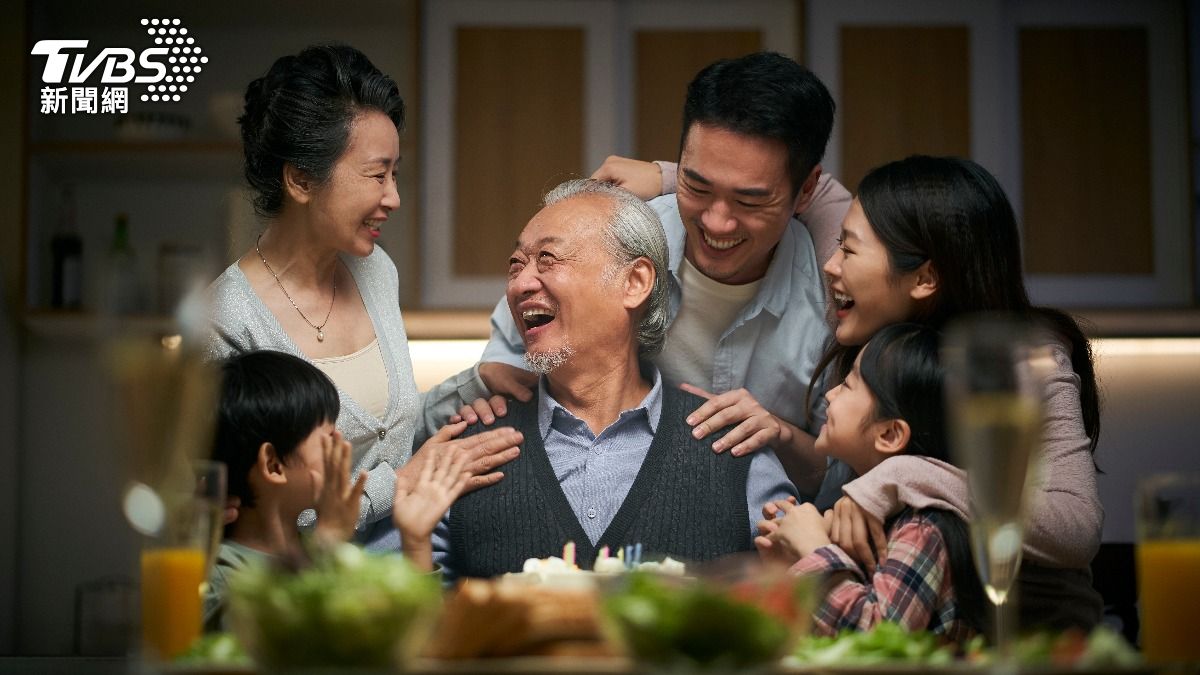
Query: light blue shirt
{"type": "Point", "coordinates": [597, 471]}
{"type": "Point", "coordinates": [771, 348]}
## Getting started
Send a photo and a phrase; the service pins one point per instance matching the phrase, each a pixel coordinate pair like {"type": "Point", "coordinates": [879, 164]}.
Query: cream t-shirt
{"type": "Point", "coordinates": [706, 312]}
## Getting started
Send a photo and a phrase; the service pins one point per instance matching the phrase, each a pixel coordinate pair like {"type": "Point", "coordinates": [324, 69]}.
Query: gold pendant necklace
{"type": "Point", "coordinates": [332, 279]}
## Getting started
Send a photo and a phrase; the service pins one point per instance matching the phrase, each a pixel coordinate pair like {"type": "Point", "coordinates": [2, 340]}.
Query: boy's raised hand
{"type": "Point", "coordinates": [338, 502]}
{"type": "Point", "coordinates": [419, 507]}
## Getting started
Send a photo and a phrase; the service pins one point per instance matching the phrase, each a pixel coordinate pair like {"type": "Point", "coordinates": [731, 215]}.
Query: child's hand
{"type": "Point", "coordinates": [338, 501]}
{"type": "Point", "coordinates": [768, 549]}
{"type": "Point", "coordinates": [418, 509]}
{"type": "Point", "coordinates": [800, 530]}
{"type": "Point", "coordinates": [772, 509]}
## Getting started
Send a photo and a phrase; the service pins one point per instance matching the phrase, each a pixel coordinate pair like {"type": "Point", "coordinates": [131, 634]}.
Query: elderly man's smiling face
{"type": "Point", "coordinates": [563, 297]}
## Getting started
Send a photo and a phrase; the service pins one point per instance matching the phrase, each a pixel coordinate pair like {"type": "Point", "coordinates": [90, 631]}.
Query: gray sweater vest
{"type": "Point", "coordinates": [686, 501]}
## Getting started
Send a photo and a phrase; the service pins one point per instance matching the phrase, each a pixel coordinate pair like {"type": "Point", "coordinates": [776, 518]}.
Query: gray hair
{"type": "Point", "coordinates": [634, 231]}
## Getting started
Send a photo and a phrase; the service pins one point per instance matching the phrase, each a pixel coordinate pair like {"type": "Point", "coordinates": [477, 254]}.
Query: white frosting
{"type": "Point", "coordinates": [555, 571]}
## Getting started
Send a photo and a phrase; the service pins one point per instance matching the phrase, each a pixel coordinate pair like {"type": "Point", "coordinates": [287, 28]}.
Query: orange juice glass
{"type": "Point", "coordinates": [177, 556]}
{"type": "Point", "coordinates": [171, 609]}
{"type": "Point", "coordinates": [1168, 564]}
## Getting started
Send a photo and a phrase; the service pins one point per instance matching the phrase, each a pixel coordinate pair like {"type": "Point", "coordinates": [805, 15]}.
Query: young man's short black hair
{"type": "Point", "coordinates": [267, 397]}
{"type": "Point", "coordinates": [766, 95]}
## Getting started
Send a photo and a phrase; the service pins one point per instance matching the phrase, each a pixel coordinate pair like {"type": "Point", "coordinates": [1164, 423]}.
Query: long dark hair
{"type": "Point", "coordinates": [954, 214]}
{"type": "Point", "coordinates": [301, 111]}
{"type": "Point", "coordinates": [901, 369]}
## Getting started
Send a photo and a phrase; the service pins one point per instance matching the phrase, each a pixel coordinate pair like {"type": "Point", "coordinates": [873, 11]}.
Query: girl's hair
{"type": "Point", "coordinates": [267, 397]}
{"type": "Point", "coordinates": [901, 369]}
{"type": "Point", "coordinates": [954, 214]}
{"type": "Point", "coordinates": [301, 111]}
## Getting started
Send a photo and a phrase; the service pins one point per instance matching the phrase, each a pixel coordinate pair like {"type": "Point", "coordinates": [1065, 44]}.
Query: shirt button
{"type": "Point", "coordinates": [382, 433]}
{"type": "Point", "coordinates": [591, 513]}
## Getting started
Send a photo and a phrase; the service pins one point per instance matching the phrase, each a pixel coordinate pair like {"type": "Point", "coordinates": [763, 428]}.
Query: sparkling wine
{"type": "Point", "coordinates": [997, 436]}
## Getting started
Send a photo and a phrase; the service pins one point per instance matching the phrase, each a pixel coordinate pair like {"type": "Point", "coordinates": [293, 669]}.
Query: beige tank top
{"type": "Point", "coordinates": [362, 376]}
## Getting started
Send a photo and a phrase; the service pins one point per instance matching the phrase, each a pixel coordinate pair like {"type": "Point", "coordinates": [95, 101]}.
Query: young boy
{"type": "Point", "coordinates": [276, 435]}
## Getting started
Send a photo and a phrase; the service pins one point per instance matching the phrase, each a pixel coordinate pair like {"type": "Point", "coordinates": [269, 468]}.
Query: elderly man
{"type": "Point", "coordinates": [608, 458]}
{"type": "Point", "coordinates": [747, 307]}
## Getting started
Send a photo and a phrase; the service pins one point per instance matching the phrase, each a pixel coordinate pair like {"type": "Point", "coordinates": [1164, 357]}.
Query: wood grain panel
{"type": "Point", "coordinates": [665, 62]}
{"type": "Point", "coordinates": [518, 132]}
{"type": "Point", "coordinates": [905, 90]}
{"type": "Point", "coordinates": [1085, 140]}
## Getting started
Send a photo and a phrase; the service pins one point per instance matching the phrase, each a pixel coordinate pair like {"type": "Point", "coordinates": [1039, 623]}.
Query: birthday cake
{"type": "Point", "coordinates": [565, 573]}
{"type": "Point", "coordinates": [550, 608]}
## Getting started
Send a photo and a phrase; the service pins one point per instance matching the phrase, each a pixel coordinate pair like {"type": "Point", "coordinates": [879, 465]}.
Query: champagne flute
{"type": "Point", "coordinates": [994, 402]}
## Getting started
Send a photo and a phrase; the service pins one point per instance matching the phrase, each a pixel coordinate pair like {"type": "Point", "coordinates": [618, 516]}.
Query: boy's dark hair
{"type": "Point", "coordinates": [765, 95]}
{"type": "Point", "coordinates": [901, 368]}
{"type": "Point", "coordinates": [301, 111]}
{"type": "Point", "coordinates": [267, 397]}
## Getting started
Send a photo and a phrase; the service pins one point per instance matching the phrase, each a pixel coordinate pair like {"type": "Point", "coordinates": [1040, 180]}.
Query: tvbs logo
{"type": "Point", "coordinates": [166, 69]}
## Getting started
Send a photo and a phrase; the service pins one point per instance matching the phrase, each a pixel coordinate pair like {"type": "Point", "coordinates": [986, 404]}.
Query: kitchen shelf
{"type": "Point", "coordinates": [146, 160]}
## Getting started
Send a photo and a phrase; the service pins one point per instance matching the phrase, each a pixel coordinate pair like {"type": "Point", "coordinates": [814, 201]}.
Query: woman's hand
{"type": "Point", "coordinates": [338, 502]}
{"type": "Point", "coordinates": [858, 533]}
{"type": "Point", "coordinates": [482, 454]}
{"type": "Point", "coordinates": [643, 179]}
{"type": "Point", "coordinates": [416, 511]}
{"type": "Point", "coordinates": [506, 380]}
{"type": "Point", "coordinates": [756, 427]}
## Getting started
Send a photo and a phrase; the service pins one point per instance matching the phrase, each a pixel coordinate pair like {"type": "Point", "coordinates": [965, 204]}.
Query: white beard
{"type": "Point", "coordinates": [543, 363]}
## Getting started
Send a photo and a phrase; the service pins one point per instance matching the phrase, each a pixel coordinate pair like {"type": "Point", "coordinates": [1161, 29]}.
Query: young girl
{"type": "Point", "coordinates": [889, 404]}
{"type": "Point", "coordinates": [276, 436]}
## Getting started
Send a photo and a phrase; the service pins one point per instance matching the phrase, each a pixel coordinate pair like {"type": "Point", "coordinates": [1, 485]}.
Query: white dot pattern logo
{"type": "Point", "coordinates": [183, 61]}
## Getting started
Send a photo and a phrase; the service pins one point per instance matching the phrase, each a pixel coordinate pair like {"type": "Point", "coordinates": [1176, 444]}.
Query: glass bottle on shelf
{"type": "Point", "coordinates": [66, 249]}
{"type": "Point", "coordinates": [124, 291]}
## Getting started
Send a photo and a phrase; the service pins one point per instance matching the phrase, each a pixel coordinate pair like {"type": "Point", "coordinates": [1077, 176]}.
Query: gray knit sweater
{"type": "Point", "coordinates": [687, 502]}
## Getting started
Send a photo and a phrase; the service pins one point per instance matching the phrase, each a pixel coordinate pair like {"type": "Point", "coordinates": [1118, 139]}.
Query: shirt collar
{"type": "Point", "coordinates": [551, 414]}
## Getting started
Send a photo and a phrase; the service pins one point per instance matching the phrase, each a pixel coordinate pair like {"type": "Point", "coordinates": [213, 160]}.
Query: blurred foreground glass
{"type": "Point", "coordinates": [176, 560]}
{"type": "Point", "coordinates": [994, 408]}
{"type": "Point", "coordinates": [1168, 564]}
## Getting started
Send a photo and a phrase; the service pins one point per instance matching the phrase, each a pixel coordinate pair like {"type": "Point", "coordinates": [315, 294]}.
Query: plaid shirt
{"type": "Point", "coordinates": [912, 586]}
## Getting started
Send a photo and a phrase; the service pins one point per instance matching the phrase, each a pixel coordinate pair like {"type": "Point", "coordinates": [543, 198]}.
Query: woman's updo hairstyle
{"type": "Point", "coordinates": [301, 111]}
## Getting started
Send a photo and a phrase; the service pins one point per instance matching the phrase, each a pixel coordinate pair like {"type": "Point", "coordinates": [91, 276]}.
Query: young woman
{"type": "Point", "coordinates": [890, 404]}
{"type": "Point", "coordinates": [930, 239]}
{"type": "Point", "coordinates": [321, 139]}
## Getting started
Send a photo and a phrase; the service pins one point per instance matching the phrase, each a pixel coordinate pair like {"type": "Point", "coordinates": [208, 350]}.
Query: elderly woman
{"type": "Point", "coordinates": [321, 139]}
